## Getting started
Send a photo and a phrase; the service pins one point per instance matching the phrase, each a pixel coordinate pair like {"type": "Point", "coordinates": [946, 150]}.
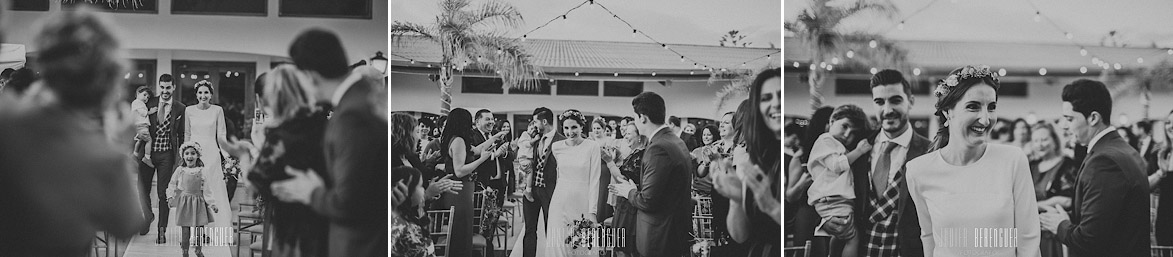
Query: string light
{"type": "Point", "coordinates": [916, 71]}
{"type": "Point", "coordinates": [690, 72]}
{"type": "Point", "coordinates": [1139, 60]}
{"type": "Point", "coordinates": [835, 60]}
{"type": "Point", "coordinates": [1083, 69]}
{"type": "Point", "coordinates": [1042, 71]}
{"type": "Point", "coordinates": [140, 75]}
{"type": "Point", "coordinates": [1002, 72]}
{"type": "Point", "coordinates": [616, 74]}
{"type": "Point", "coordinates": [829, 67]}
{"type": "Point", "coordinates": [1082, 52]}
{"type": "Point", "coordinates": [872, 44]}
{"type": "Point", "coordinates": [1038, 16]}
{"type": "Point", "coordinates": [576, 74]}
{"type": "Point", "coordinates": [1170, 52]}
{"type": "Point", "coordinates": [822, 64]}
{"type": "Point", "coordinates": [413, 61]}
{"type": "Point", "coordinates": [796, 64]}
{"type": "Point", "coordinates": [653, 74]}
{"type": "Point", "coordinates": [681, 58]}
{"type": "Point", "coordinates": [850, 53]}
{"type": "Point", "coordinates": [183, 76]}
{"type": "Point", "coordinates": [874, 71]}
{"type": "Point", "coordinates": [1117, 66]}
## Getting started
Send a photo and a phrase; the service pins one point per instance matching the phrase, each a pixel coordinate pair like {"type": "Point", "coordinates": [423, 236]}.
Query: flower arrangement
{"type": "Point", "coordinates": [702, 246]}
{"type": "Point", "coordinates": [581, 236]}
{"type": "Point", "coordinates": [231, 168]}
{"type": "Point", "coordinates": [408, 240]}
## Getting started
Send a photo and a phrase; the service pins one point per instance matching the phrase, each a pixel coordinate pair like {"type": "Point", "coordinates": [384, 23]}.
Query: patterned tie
{"type": "Point", "coordinates": [539, 172]}
{"type": "Point", "coordinates": [880, 176]}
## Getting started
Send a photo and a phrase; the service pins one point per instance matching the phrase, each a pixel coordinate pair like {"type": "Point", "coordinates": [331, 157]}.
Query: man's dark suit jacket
{"type": "Point", "coordinates": [356, 157]}
{"type": "Point", "coordinates": [61, 181]}
{"type": "Point", "coordinates": [663, 198]}
{"type": "Point", "coordinates": [490, 167]}
{"type": "Point", "coordinates": [1110, 212]}
{"type": "Point", "coordinates": [177, 126]}
{"type": "Point", "coordinates": [907, 224]}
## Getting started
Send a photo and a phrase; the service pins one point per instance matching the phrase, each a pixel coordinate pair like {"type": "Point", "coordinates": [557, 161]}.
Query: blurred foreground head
{"type": "Point", "coordinates": [80, 58]}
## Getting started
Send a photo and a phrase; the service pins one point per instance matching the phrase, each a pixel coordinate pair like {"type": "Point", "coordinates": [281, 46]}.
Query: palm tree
{"type": "Point", "coordinates": [467, 39]}
{"type": "Point", "coordinates": [817, 29]}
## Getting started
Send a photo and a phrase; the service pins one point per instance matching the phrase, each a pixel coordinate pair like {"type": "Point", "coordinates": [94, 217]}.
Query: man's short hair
{"type": "Point", "coordinates": [543, 113]}
{"type": "Point", "coordinates": [165, 78]}
{"type": "Point", "coordinates": [675, 121]}
{"type": "Point", "coordinates": [321, 51]}
{"type": "Point", "coordinates": [650, 104]}
{"type": "Point", "coordinates": [888, 77]}
{"type": "Point", "coordinates": [480, 112]}
{"type": "Point", "coordinates": [1087, 96]}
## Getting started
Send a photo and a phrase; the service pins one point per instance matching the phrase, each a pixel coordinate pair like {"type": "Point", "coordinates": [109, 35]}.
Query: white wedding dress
{"type": "Point", "coordinates": [203, 126]}
{"type": "Point", "coordinates": [575, 196]}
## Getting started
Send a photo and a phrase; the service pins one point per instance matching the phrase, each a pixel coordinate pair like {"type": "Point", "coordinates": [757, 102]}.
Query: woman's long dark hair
{"type": "Point", "coordinates": [949, 99]}
{"type": "Point", "coordinates": [402, 131]}
{"type": "Point", "coordinates": [1014, 125]}
{"type": "Point", "coordinates": [815, 128]}
{"type": "Point", "coordinates": [459, 125]}
{"type": "Point", "coordinates": [713, 131]}
{"type": "Point", "coordinates": [763, 145]}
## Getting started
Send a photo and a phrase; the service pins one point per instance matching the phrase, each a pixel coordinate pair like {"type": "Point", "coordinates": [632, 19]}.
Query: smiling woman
{"type": "Point", "coordinates": [965, 183]}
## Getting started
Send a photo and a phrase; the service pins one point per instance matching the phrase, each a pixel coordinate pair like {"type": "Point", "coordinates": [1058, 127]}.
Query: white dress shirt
{"type": "Point", "coordinates": [1095, 139]}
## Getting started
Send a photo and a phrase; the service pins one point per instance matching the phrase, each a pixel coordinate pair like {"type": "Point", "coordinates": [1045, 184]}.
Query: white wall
{"type": "Point", "coordinates": [412, 92]}
{"type": "Point", "coordinates": [250, 35]}
{"type": "Point", "coordinates": [1043, 99]}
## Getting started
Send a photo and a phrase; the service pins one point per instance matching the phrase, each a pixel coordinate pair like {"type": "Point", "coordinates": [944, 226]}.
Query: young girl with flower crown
{"type": "Point", "coordinates": [190, 195]}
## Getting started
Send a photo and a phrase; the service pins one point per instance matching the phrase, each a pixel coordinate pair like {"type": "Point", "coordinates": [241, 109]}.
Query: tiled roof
{"type": "Point", "coordinates": [599, 56]}
{"type": "Point", "coordinates": [938, 55]}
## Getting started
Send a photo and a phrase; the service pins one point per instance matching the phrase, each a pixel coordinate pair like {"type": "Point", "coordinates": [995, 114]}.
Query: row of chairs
{"type": "Point", "coordinates": [500, 231]}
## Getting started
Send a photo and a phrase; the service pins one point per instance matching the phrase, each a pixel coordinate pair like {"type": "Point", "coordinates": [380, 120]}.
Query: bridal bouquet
{"type": "Point", "coordinates": [231, 168]}
{"type": "Point", "coordinates": [583, 233]}
{"type": "Point", "coordinates": [702, 246]}
{"type": "Point", "coordinates": [409, 240]}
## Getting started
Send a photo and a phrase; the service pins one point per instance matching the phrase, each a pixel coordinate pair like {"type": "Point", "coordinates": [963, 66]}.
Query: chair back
{"type": "Point", "coordinates": [1161, 251]}
{"type": "Point", "coordinates": [441, 229]}
{"type": "Point", "coordinates": [797, 251]}
{"type": "Point", "coordinates": [478, 210]}
{"type": "Point", "coordinates": [703, 207]}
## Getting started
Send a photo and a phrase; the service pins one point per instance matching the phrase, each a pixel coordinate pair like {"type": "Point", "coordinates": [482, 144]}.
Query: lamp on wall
{"type": "Point", "coordinates": [379, 62]}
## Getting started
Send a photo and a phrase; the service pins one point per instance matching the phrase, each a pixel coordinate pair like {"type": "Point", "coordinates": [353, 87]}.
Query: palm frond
{"type": "Point", "coordinates": [882, 7]}
{"type": "Point", "coordinates": [887, 54]}
{"type": "Point", "coordinates": [494, 12]}
{"type": "Point", "coordinates": [401, 29]}
{"type": "Point", "coordinates": [506, 56]}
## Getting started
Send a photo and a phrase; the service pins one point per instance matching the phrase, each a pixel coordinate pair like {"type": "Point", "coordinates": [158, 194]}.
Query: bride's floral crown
{"type": "Point", "coordinates": [946, 85]}
{"type": "Point", "coordinates": [569, 113]}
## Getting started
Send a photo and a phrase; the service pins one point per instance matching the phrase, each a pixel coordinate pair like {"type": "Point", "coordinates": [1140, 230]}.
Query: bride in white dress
{"type": "Point", "coordinates": [576, 193]}
{"type": "Point", "coordinates": [205, 125]}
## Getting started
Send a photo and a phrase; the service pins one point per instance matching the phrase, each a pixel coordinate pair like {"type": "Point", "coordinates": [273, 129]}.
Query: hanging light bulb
{"type": "Point", "coordinates": [1117, 66]}
{"type": "Point", "coordinates": [1038, 16]}
{"type": "Point", "coordinates": [850, 54]}
{"type": "Point", "coordinates": [206, 76]}
{"type": "Point", "coordinates": [235, 74]}
{"type": "Point", "coordinates": [664, 45]}
{"type": "Point", "coordinates": [681, 58]}
{"type": "Point", "coordinates": [1070, 36]}
{"type": "Point", "coordinates": [690, 72]}
{"type": "Point", "coordinates": [900, 26]}
{"type": "Point", "coordinates": [916, 71]}
{"type": "Point", "coordinates": [523, 37]}
{"type": "Point", "coordinates": [429, 65]}
{"type": "Point", "coordinates": [1082, 52]}
{"type": "Point", "coordinates": [1042, 71]}
{"type": "Point", "coordinates": [1096, 60]}
{"type": "Point", "coordinates": [812, 66]}
{"type": "Point", "coordinates": [576, 74]}
{"type": "Point", "coordinates": [872, 44]}
{"type": "Point", "coordinates": [694, 66]}
{"type": "Point", "coordinates": [796, 64]}
{"type": "Point", "coordinates": [874, 71]}
{"type": "Point", "coordinates": [1083, 69]}
{"type": "Point", "coordinates": [634, 32]}
{"type": "Point", "coordinates": [183, 76]}
{"type": "Point", "coordinates": [653, 74]}
{"type": "Point", "coordinates": [1140, 60]}
{"type": "Point", "coordinates": [829, 67]}
{"type": "Point", "coordinates": [1170, 52]}
{"type": "Point", "coordinates": [412, 61]}
{"type": "Point", "coordinates": [563, 16]}
{"type": "Point", "coordinates": [616, 74]}
{"type": "Point", "coordinates": [835, 60]}
{"type": "Point", "coordinates": [743, 64]}
{"type": "Point", "coordinates": [140, 75]}
{"type": "Point", "coordinates": [1002, 72]}
{"type": "Point", "coordinates": [822, 64]}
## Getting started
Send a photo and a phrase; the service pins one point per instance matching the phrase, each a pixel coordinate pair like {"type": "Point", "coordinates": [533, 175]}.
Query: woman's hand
{"type": "Point", "coordinates": [214, 209]}
{"type": "Point", "coordinates": [760, 184]}
{"type": "Point", "coordinates": [727, 183]}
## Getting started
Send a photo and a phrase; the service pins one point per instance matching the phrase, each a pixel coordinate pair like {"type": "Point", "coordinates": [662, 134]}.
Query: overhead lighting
{"type": "Point", "coordinates": [874, 71]}
{"type": "Point", "coordinates": [183, 76]}
{"type": "Point", "coordinates": [1002, 72]}
{"type": "Point", "coordinates": [1083, 69]}
{"type": "Point", "coordinates": [872, 44]}
{"type": "Point", "coordinates": [1082, 52]}
{"type": "Point", "coordinates": [850, 54]}
{"type": "Point", "coordinates": [796, 64]}
{"type": "Point", "coordinates": [1042, 71]}
{"type": "Point", "coordinates": [916, 71]}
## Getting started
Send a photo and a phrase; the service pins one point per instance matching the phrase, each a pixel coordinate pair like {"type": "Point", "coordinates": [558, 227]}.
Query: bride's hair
{"type": "Point", "coordinates": [199, 163]}
{"type": "Point", "coordinates": [950, 90]}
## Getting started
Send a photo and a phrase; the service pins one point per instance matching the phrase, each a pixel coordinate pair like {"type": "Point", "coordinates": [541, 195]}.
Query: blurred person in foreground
{"type": "Point", "coordinates": [64, 177]}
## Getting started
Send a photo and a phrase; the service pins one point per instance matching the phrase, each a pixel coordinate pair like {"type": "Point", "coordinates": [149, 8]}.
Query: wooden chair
{"type": "Point", "coordinates": [1161, 251]}
{"type": "Point", "coordinates": [804, 251]}
{"type": "Point", "coordinates": [703, 206]}
{"type": "Point", "coordinates": [441, 229]}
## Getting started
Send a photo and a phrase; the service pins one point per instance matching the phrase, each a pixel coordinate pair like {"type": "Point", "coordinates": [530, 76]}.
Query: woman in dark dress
{"type": "Point", "coordinates": [1162, 185]}
{"type": "Point", "coordinates": [461, 160]}
{"type": "Point", "coordinates": [1054, 179]}
{"type": "Point", "coordinates": [630, 152]}
{"type": "Point", "coordinates": [293, 139]}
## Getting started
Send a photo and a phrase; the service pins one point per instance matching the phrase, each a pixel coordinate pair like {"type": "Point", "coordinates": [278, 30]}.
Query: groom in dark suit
{"type": "Point", "coordinates": [1110, 213]}
{"type": "Point", "coordinates": [542, 181]}
{"type": "Point", "coordinates": [167, 134]}
{"type": "Point", "coordinates": [886, 218]}
{"type": "Point", "coordinates": [662, 197]}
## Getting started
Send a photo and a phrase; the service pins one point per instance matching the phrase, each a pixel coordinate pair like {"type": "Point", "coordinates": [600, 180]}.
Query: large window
{"type": "Point", "coordinates": [481, 85]}
{"type": "Point", "coordinates": [358, 9]}
{"type": "Point", "coordinates": [220, 7]}
{"type": "Point", "coordinates": [141, 73]}
{"type": "Point", "coordinates": [30, 5]}
{"type": "Point", "coordinates": [845, 86]}
{"type": "Point", "coordinates": [129, 6]}
{"type": "Point", "coordinates": [622, 88]}
{"type": "Point", "coordinates": [543, 89]}
{"type": "Point", "coordinates": [578, 87]}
